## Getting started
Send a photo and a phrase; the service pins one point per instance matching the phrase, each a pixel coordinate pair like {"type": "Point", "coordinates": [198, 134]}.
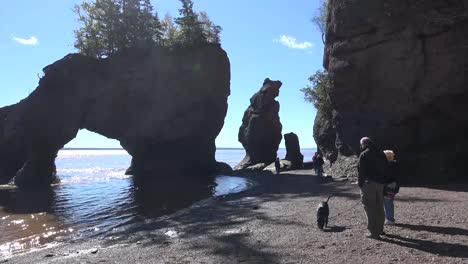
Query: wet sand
{"type": "Point", "coordinates": [274, 222]}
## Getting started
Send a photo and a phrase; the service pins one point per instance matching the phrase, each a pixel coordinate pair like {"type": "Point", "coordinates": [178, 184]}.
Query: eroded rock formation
{"type": "Point", "coordinates": [260, 132]}
{"type": "Point", "coordinates": [165, 107]}
{"type": "Point", "coordinates": [400, 75]}
{"type": "Point", "coordinates": [293, 150]}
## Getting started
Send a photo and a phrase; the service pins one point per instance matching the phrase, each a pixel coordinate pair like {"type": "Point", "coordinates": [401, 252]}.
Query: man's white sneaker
{"type": "Point", "coordinates": [388, 222]}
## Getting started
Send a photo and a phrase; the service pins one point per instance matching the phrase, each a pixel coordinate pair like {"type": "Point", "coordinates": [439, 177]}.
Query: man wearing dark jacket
{"type": "Point", "coordinates": [372, 169]}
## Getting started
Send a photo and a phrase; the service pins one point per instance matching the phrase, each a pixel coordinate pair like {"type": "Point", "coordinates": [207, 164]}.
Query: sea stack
{"type": "Point", "coordinates": [166, 107]}
{"type": "Point", "coordinates": [293, 150]}
{"type": "Point", "coordinates": [260, 132]}
{"type": "Point", "coordinates": [400, 76]}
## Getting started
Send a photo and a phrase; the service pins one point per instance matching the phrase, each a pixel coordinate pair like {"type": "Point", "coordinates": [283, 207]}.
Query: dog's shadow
{"type": "Point", "coordinates": [334, 229]}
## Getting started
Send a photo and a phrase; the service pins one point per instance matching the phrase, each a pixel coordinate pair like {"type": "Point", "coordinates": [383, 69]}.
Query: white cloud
{"type": "Point", "coordinates": [33, 41]}
{"type": "Point", "coordinates": [292, 43]}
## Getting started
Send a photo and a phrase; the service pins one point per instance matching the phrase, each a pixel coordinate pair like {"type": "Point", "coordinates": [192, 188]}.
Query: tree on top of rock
{"type": "Point", "coordinates": [195, 28]}
{"type": "Point", "coordinates": [210, 30]}
{"type": "Point", "coordinates": [140, 25]}
{"type": "Point", "coordinates": [150, 26]}
{"type": "Point", "coordinates": [110, 26]}
{"type": "Point", "coordinates": [129, 23]}
{"type": "Point", "coordinates": [170, 31]}
{"type": "Point", "coordinates": [98, 36]}
{"type": "Point", "coordinates": [191, 28]}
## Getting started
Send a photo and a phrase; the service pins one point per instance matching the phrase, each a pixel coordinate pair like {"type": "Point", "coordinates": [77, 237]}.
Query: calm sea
{"type": "Point", "coordinates": [96, 197]}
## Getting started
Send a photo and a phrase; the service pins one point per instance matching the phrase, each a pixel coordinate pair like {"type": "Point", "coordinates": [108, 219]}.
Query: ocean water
{"type": "Point", "coordinates": [95, 197]}
{"type": "Point", "coordinates": [233, 156]}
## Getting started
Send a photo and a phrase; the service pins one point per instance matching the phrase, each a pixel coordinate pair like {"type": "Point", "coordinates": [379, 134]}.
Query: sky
{"type": "Point", "coordinates": [263, 38]}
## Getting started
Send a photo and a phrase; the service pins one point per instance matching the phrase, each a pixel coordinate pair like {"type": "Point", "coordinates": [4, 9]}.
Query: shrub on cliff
{"type": "Point", "coordinates": [320, 19]}
{"type": "Point", "coordinates": [109, 26]}
{"type": "Point", "coordinates": [317, 92]}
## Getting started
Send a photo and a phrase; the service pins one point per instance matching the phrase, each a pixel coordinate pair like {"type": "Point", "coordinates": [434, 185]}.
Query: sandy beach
{"type": "Point", "coordinates": [274, 222]}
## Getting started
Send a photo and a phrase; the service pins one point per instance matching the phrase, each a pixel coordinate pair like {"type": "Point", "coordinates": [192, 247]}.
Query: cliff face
{"type": "Point", "coordinates": [165, 107]}
{"type": "Point", "coordinates": [400, 75]}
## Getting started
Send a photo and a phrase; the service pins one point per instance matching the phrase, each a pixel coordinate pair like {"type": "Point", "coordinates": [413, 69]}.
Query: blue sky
{"type": "Point", "coordinates": [263, 38]}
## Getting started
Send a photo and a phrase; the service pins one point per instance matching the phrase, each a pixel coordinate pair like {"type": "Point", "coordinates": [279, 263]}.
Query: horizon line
{"type": "Point", "coordinates": [86, 148]}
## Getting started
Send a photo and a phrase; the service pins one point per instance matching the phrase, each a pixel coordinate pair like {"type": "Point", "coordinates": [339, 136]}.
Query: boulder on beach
{"type": "Point", "coordinates": [165, 106]}
{"type": "Point", "coordinates": [260, 132]}
{"type": "Point", "coordinates": [293, 150]}
{"type": "Point", "coordinates": [285, 165]}
{"type": "Point", "coordinates": [255, 167]}
{"type": "Point", "coordinates": [223, 168]}
{"type": "Point", "coordinates": [399, 74]}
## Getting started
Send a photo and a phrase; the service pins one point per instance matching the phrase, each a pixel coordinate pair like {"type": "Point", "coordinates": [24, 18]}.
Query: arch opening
{"type": "Point", "coordinates": [91, 157]}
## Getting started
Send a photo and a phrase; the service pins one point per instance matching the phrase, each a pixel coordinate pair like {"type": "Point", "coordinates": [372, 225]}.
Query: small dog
{"type": "Point", "coordinates": [322, 214]}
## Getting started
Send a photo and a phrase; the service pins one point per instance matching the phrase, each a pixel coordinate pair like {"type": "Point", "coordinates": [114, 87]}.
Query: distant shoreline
{"type": "Point", "coordinates": [124, 149]}
{"type": "Point", "coordinates": [92, 149]}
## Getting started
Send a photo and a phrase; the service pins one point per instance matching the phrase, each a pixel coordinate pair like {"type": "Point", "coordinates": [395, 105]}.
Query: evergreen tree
{"type": "Point", "coordinates": [129, 23]}
{"type": "Point", "coordinates": [87, 40]}
{"type": "Point", "coordinates": [110, 26]}
{"type": "Point", "coordinates": [169, 30]}
{"type": "Point", "coordinates": [191, 29]}
{"type": "Point", "coordinates": [107, 16]}
{"type": "Point", "coordinates": [150, 28]}
{"type": "Point", "coordinates": [100, 20]}
{"type": "Point", "coordinates": [210, 30]}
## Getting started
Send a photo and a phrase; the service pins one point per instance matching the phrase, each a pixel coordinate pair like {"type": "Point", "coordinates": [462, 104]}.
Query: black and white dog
{"type": "Point", "coordinates": [322, 214]}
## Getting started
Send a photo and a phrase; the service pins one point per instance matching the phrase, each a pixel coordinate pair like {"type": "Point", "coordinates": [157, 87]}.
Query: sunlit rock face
{"type": "Point", "coordinates": [399, 70]}
{"type": "Point", "coordinates": [260, 132]}
{"type": "Point", "coordinates": [166, 107]}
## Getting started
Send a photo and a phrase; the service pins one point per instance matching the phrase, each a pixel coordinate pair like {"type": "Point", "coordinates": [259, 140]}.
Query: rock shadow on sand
{"type": "Point", "coordinates": [432, 247]}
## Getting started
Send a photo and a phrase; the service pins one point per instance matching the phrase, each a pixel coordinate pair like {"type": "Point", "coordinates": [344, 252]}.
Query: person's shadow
{"type": "Point", "coordinates": [436, 229]}
{"type": "Point", "coordinates": [440, 248]}
{"type": "Point", "coordinates": [334, 229]}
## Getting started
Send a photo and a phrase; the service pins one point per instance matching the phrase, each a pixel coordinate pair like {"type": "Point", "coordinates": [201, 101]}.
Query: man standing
{"type": "Point", "coordinates": [391, 188]}
{"type": "Point", "coordinates": [277, 166]}
{"type": "Point", "coordinates": [319, 165]}
{"type": "Point", "coordinates": [372, 177]}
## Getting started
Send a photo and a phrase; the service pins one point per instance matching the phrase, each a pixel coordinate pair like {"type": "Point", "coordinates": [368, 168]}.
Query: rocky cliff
{"type": "Point", "coordinates": [260, 132]}
{"type": "Point", "coordinates": [399, 72]}
{"type": "Point", "coordinates": [166, 107]}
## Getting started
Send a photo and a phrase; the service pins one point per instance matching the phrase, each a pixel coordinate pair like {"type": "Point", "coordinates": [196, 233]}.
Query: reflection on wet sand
{"type": "Point", "coordinates": [35, 218]}
{"type": "Point", "coordinates": [153, 198]}
{"type": "Point", "coordinates": [27, 220]}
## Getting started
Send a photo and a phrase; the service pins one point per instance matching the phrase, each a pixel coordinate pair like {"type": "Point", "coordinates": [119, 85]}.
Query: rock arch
{"type": "Point", "coordinates": [166, 107]}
